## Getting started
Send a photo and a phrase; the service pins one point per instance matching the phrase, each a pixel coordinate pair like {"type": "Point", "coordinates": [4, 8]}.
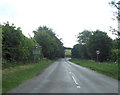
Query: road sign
{"type": "Point", "coordinates": [36, 51]}
{"type": "Point", "coordinates": [97, 52]}
{"type": "Point", "coordinates": [36, 46]}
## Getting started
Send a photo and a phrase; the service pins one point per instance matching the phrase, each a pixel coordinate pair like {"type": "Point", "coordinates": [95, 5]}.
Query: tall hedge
{"type": "Point", "coordinates": [15, 46]}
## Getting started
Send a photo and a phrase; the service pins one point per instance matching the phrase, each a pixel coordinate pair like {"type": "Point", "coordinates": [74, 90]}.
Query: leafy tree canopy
{"type": "Point", "coordinates": [15, 46]}
{"type": "Point", "coordinates": [99, 41]}
{"type": "Point", "coordinates": [83, 37]}
{"type": "Point", "coordinates": [52, 46]}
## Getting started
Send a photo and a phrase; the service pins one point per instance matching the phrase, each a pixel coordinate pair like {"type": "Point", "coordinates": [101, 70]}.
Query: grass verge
{"type": "Point", "coordinates": [13, 76]}
{"type": "Point", "coordinates": [106, 68]}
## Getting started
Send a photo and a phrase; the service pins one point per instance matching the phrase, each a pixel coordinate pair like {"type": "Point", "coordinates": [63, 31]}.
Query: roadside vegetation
{"type": "Point", "coordinates": [18, 48]}
{"type": "Point", "coordinates": [18, 61]}
{"type": "Point", "coordinates": [67, 52]}
{"type": "Point", "coordinates": [106, 62]}
{"type": "Point", "coordinates": [13, 76]}
{"type": "Point", "coordinates": [106, 68]}
{"type": "Point", "coordinates": [92, 42]}
{"type": "Point", "coordinates": [52, 47]}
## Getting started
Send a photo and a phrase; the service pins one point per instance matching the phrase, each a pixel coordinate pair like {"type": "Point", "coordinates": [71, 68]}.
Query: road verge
{"type": "Point", "coordinates": [14, 76]}
{"type": "Point", "coordinates": [107, 68]}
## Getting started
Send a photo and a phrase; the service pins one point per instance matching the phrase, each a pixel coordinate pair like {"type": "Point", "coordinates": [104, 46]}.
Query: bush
{"type": "Point", "coordinates": [114, 55]}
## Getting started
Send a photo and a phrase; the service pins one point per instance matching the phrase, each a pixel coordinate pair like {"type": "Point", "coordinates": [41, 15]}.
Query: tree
{"type": "Point", "coordinates": [11, 40]}
{"type": "Point", "coordinates": [117, 31]}
{"type": "Point", "coordinates": [115, 43]}
{"type": "Point", "coordinates": [80, 48]}
{"type": "Point", "coordinates": [117, 16]}
{"type": "Point", "coordinates": [75, 51]}
{"type": "Point", "coordinates": [52, 46]}
{"type": "Point", "coordinates": [0, 42]}
{"type": "Point", "coordinates": [83, 37]}
{"type": "Point", "coordinates": [15, 46]}
{"type": "Point", "coordinates": [79, 51]}
{"type": "Point", "coordinates": [99, 41]}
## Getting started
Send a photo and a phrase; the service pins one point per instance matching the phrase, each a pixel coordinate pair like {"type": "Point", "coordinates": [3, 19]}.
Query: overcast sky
{"type": "Point", "coordinates": [66, 17]}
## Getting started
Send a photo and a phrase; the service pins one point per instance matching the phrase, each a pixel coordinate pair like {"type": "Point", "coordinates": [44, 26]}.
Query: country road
{"type": "Point", "coordinates": [64, 76]}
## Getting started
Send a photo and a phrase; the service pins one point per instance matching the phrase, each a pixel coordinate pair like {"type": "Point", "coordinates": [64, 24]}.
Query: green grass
{"type": "Point", "coordinates": [106, 68]}
{"type": "Point", "coordinates": [13, 76]}
{"type": "Point", "coordinates": [67, 52]}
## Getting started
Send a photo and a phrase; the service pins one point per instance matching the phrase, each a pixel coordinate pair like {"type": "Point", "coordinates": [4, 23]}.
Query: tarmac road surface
{"type": "Point", "coordinates": [64, 76]}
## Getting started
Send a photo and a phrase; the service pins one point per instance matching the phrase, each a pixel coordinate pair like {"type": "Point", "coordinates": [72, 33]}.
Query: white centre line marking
{"type": "Point", "coordinates": [78, 86]}
{"type": "Point", "coordinates": [74, 80]}
{"type": "Point", "coordinates": [70, 72]}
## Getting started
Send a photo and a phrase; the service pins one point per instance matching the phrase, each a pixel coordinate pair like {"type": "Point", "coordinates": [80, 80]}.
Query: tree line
{"type": "Point", "coordinates": [91, 41]}
{"type": "Point", "coordinates": [17, 47]}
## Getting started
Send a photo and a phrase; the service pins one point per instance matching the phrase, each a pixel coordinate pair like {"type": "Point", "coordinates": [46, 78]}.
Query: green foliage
{"type": "Point", "coordinates": [11, 40]}
{"type": "Point", "coordinates": [119, 56]}
{"type": "Point", "coordinates": [75, 51]}
{"type": "Point", "coordinates": [15, 46]}
{"type": "Point", "coordinates": [99, 41]}
{"type": "Point", "coordinates": [52, 46]}
{"type": "Point", "coordinates": [79, 51]}
{"type": "Point", "coordinates": [83, 37]}
{"type": "Point", "coordinates": [90, 42]}
{"type": "Point", "coordinates": [0, 41]}
{"type": "Point", "coordinates": [114, 55]}
{"type": "Point", "coordinates": [115, 43]}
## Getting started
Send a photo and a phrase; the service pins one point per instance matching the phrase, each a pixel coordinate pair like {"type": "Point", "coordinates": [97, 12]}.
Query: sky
{"type": "Point", "coordinates": [67, 18]}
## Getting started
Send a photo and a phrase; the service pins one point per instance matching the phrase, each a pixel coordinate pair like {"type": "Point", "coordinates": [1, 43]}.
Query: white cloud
{"type": "Point", "coordinates": [66, 17]}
